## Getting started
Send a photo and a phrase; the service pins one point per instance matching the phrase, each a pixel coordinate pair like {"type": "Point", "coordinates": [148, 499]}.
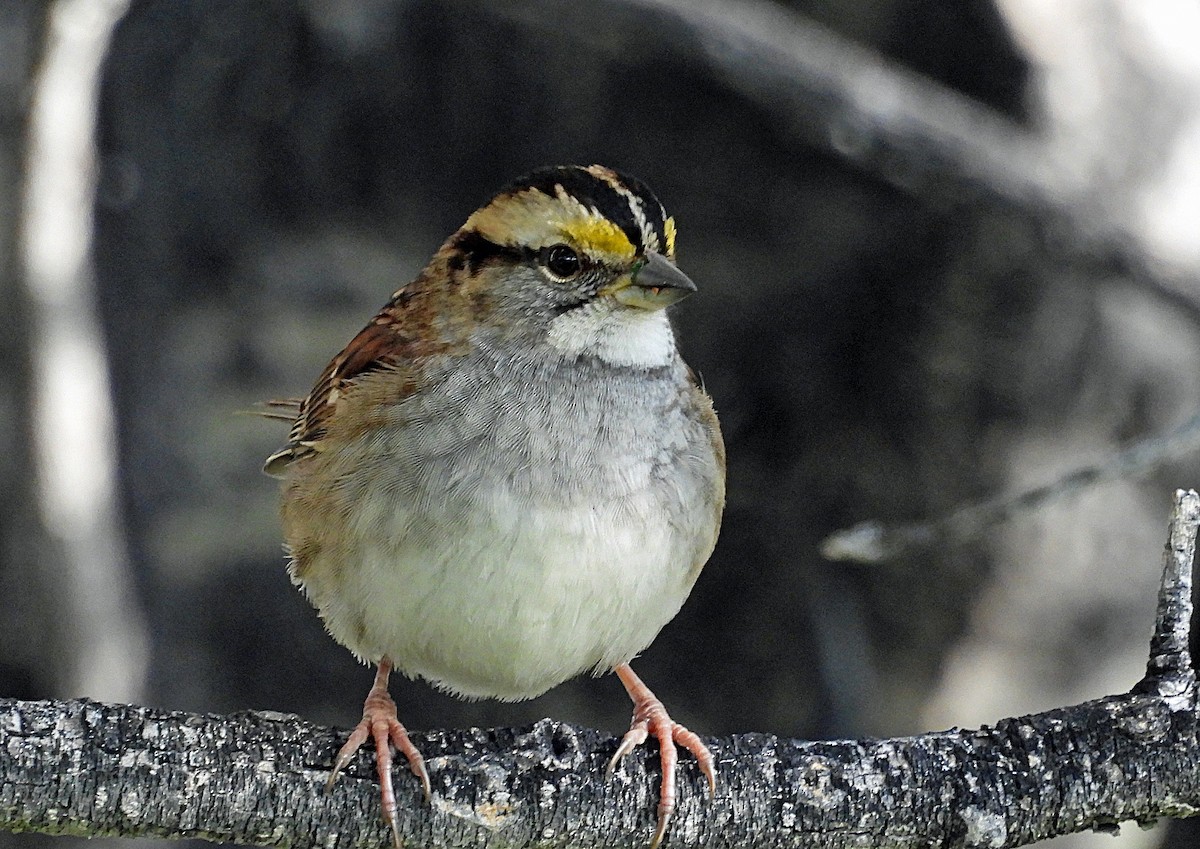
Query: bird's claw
{"type": "Point", "coordinates": [380, 723]}
{"type": "Point", "coordinates": [650, 717]}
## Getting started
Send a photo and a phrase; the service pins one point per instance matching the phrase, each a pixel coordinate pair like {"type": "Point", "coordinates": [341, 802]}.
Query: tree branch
{"type": "Point", "coordinates": [81, 767]}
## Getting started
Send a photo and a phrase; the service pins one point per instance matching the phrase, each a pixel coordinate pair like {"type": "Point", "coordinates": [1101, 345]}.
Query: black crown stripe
{"type": "Point", "coordinates": [597, 194]}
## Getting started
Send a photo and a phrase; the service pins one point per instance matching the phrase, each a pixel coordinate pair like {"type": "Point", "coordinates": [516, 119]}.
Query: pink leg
{"type": "Point", "coordinates": [650, 717]}
{"type": "Point", "coordinates": [380, 723]}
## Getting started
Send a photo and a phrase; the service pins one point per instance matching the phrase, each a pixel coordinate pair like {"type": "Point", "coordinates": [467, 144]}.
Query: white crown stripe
{"type": "Point", "coordinates": [649, 236]}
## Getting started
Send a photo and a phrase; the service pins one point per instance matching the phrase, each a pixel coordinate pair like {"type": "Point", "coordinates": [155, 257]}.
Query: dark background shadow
{"type": "Point", "coordinates": [271, 171]}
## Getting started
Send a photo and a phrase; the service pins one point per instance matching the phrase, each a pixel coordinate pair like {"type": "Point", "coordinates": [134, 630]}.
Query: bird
{"type": "Point", "coordinates": [510, 477]}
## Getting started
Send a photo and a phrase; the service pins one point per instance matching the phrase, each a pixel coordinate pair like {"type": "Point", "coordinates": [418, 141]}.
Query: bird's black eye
{"type": "Point", "coordinates": [561, 260]}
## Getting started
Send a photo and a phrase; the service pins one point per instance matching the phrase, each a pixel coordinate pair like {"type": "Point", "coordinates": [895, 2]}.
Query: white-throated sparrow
{"type": "Point", "coordinates": [510, 477]}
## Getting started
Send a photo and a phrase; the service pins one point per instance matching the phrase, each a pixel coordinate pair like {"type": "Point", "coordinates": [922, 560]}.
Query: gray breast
{"type": "Point", "coordinates": [546, 429]}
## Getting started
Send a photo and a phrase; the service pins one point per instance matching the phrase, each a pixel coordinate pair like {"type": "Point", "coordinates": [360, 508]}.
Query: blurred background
{"type": "Point", "coordinates": [945, 252]}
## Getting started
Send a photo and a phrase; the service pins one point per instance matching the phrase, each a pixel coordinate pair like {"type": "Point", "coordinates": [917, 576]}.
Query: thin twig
{"type": "Point", "coordinates": [875, 542]}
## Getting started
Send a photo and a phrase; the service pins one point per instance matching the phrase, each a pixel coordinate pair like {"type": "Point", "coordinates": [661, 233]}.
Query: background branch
{"type": "Point", "coordinates": [81, 767]}
{"type": "Point", "coordinates": [875, 542]}
{"type": "Point", "coordinates": [892, 122]}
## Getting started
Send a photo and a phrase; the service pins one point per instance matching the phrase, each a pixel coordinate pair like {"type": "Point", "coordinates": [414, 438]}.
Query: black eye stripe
{"type": "Point", "coordinates": [475, 251]}
{"type": "Point", "coordinates": [472, 250]}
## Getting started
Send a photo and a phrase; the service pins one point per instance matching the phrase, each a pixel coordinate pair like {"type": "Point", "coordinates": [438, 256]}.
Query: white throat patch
{"type": "Point", "coordinates": [617, 334]}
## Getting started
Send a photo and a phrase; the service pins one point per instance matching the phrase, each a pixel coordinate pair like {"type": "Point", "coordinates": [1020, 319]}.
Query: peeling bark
{"type": "Point", "coordinates": [82, 767]}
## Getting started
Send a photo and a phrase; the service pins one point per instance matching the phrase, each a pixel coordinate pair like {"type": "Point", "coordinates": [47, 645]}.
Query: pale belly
{"type": "Point", "coordinates": [498, 536]}
{"type": "Point", "coordinates": [505, 600]}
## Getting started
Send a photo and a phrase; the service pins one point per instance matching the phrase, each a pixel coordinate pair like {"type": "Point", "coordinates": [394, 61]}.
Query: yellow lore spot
{"type": "Point", "coordinates": [669, 229]}
{"type": "Point", "coordinates": [536, 220]}
{"type": "Point", "coordinates": [598, 236]}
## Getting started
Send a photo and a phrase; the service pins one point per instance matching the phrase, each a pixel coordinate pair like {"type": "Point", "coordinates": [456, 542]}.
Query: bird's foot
{"type": "Point", "coordinates": [381, 724]}
{"type": "Point", "coordinates": [650, 717]}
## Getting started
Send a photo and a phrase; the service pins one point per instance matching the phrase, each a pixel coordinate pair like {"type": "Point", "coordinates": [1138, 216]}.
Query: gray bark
{"type": "Point", "coordinates": [81, 767]}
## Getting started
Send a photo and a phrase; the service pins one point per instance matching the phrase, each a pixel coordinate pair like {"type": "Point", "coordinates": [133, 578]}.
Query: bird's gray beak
{"type": "Point", "coordinates": [653, 285]}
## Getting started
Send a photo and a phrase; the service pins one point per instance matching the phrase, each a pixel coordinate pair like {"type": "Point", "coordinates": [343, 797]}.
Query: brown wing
{"type": "Point", "coordinates": [399, 333]}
